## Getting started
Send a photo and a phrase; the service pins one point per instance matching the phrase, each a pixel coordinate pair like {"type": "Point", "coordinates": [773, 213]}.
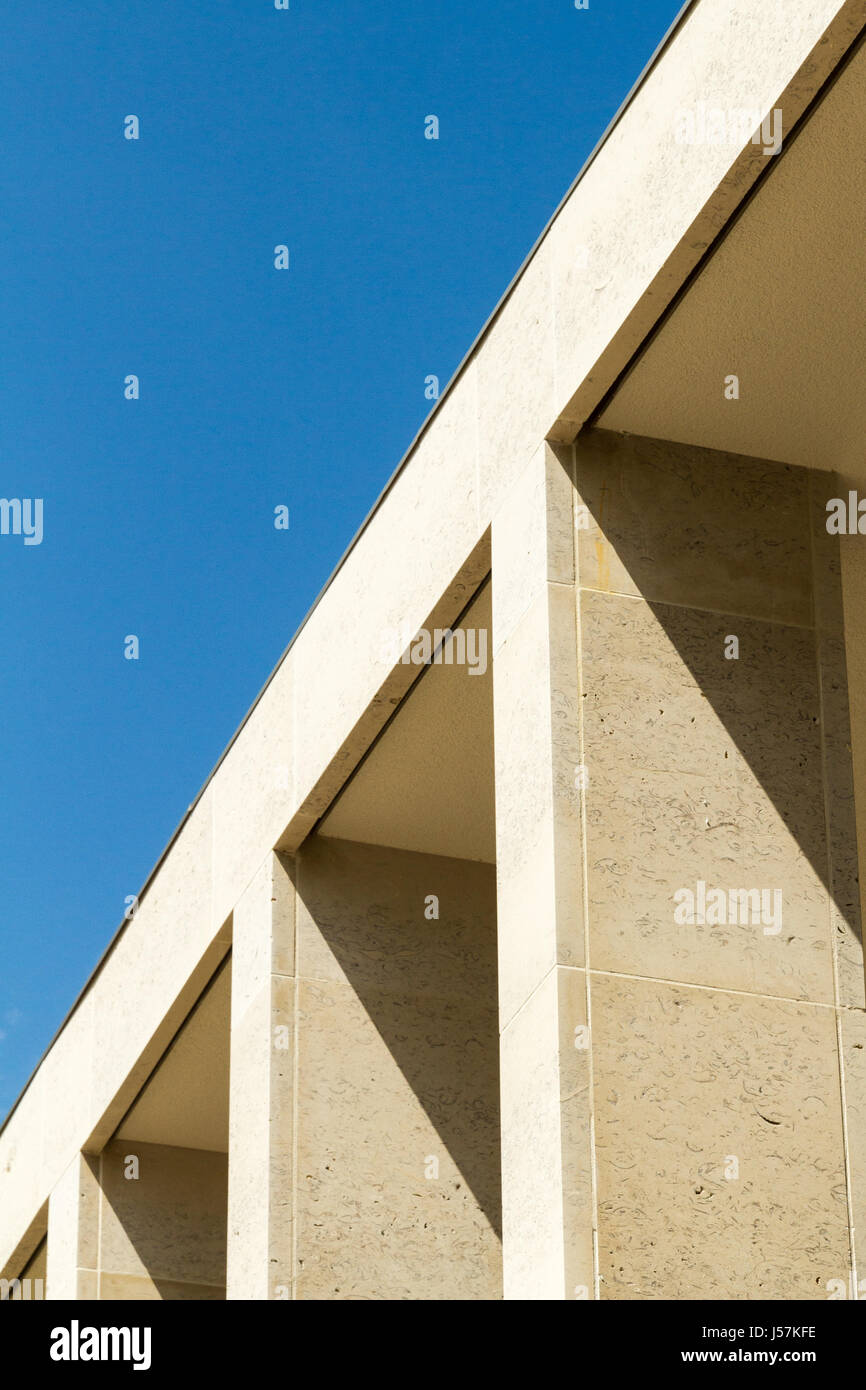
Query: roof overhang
{"type": "Point", "coordinates": [632, 232]}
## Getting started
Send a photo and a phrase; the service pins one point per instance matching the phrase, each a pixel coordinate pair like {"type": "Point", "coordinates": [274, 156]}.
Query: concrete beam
{"type": "Point", "coordinates": [645, 209]}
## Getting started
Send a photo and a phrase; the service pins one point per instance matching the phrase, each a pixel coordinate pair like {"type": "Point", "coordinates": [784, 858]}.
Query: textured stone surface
{"type": "Point", "coordinates": [532, 538]}
{"type": "Point", "coordinates": [68, 1070]}
{"type": "Point", "coordinates": [261, 1107]}
{"type": "Point", "coordinates": [387, 1084]}
{"type": "Point", "coordinates": [703, 768]}
{"type": "Point", "coordinates": [650, 836]}
{"type": "Point", "coordinates": [537, 750]}
{"type": "Point", "coordinates": [433, 519]}
{"type": "Point", "coordinates": [660, 694]}
{"type": "Point", "coordinates": [361, 919]}
{"type": "Point", "coordinates": [677, 524]}
{"type": "Point", "coordinates": [853, 560]}
{"type": "Point", "coordinates": [578, 1196]}
{"type": "Point", "coordinates": [686, 1081]}
{"type": "Point", "coordinates": [547, 1209]}
{"type": "Point", "coordinates": [853, 1026]}
{"type": "Point", "coordinates": [699, 768]}
{"type": "Point", "coordinates": [523, 740]}
{"type": "Point", "coordinates": [72, 1246]}
{"type": "Point", "coordinates": [828, 610]}
{"type": "Point", "coordinates": [533, 1238]}
{"type": "Point", "coordinates": [398, 1106]}
{"type": "Point", "coordinates": [37, 1265]}
{"type": "Point", "coordinates": [254, 792]}
{"type": "Point", "coordinates": [169, 1223]}
{"type": "Point", "coordinates": [846, 912]}
{"type": "Point", "coordinates": [837, 696]}
{"type": "Point", "coordinates": [516, 394]}
{"type": "Point", "coordinates": [128, 1288]}
{"type": "Point", "coordinates": [22, 1173]}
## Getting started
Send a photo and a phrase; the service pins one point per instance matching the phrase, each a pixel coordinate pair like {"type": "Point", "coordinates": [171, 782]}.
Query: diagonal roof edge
{"type": "Point", "coordinates": [687, 8]}
{"type": "Point", "coordinates": [668, 37]}
{"type": "Point", "coordinates": [664, 43]}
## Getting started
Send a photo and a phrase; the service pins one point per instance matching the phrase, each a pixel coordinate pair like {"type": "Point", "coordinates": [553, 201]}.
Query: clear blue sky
{"type": "Point", "coordinates": [258, 387]}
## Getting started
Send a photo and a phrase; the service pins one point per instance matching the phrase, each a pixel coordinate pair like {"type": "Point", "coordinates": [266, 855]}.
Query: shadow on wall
{"type": "Point", "coordinates": [717, 718]}
{"type": "Point", "coordinates": [398, 1075]}
{"type": "Point", "coordinates": [163, 1225]}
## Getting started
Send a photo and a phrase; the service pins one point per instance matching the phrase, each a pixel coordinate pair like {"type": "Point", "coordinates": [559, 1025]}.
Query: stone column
{"type": "Point", "coordinates": [73, 1232]}
{"type": "Point", "coordinates": [667, 627]}
{"type": "Point", "coordinates": [547, 1190]}
{"type": "Point", "coordinates": [259, 1257]}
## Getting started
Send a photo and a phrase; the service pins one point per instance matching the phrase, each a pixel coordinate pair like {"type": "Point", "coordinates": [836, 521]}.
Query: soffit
{"type": "Point", "coordinates": [186, 1101]}
{"type": "Point", "coordinates": [780, 304]}
{"type": "Point", "coordinates": [427, 784]}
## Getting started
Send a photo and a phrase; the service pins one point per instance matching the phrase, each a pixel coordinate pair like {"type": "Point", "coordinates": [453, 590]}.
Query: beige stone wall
{"type": "Point", "coordinates": [364, 1105]}
{"type": "Point", "coordinates": [163, 1234]}
{"type": "Point", "coordinates": [37, 1264]}
{"type": "Point", "coordinates": [696, 1133]}
{"type": "Point", "coordinates": [139, 1222]}
{"type": "Point", "coordinates": [397, 1163]}
{"type": "Point", "coordinates": [683, 1105]}
{"type": "Point", "coordinates": [584, 306]}
{"type": "Point", "coordinates": [29, 1285]}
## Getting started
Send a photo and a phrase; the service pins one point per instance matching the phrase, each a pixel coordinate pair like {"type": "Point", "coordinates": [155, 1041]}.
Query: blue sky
{"type": "Point", "coordinates": [257, 387]}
